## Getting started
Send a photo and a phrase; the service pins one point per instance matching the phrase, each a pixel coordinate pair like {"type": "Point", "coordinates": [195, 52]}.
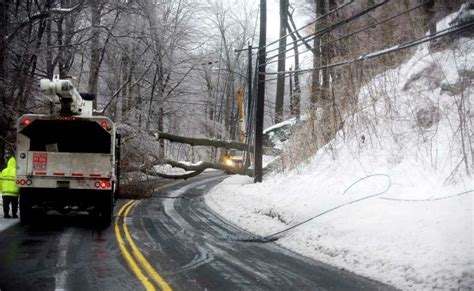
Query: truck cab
{"type": "Point", "coordinates": [234, 158]}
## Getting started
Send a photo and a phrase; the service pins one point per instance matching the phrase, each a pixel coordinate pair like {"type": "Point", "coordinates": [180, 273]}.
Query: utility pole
{"type": "Point", "coordinates": [292, 101]}
{"type": "Point", "coordinates": [249, 84]}
{"type": "Point", "coordinates": [260, 92]}
{"type": "Point", "coordinates": [249, 105]}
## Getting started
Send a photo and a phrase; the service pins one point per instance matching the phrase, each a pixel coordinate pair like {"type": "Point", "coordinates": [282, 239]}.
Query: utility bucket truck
{"type": "Point", "coordinates": [67, 161]}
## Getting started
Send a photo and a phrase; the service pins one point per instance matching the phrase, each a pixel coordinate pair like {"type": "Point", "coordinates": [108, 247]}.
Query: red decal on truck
{"type": "Point", "coordinates": [40, 161]}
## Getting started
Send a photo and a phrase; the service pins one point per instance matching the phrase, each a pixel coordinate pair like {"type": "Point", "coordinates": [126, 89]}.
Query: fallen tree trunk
{"type": "Point", "coordinates": [203, 141]}
{"type": "Point", "coordinates": [150, 171]}
{"type": "Point", "coordinates": [199, 168]}
{"type": "Point", "coordinates": [196, 169]}
{"type": "Point", "coordinates": [177, 177]}
{"type": "Point", "coordinates": [214, 143]}
{"type": "Point", "coordinates": [206, 165]}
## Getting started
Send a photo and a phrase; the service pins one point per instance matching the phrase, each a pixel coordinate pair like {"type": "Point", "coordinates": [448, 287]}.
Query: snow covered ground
{"type": "Point", "coordinates": [404, 149]}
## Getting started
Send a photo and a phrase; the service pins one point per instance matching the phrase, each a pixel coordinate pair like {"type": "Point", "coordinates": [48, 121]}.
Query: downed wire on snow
{"type": "Point", "coordinates": [257, 239]}
{"type": "Point", "coordinates": [429, 199]}
{"type": "Point", "coordinates": [272, 237]}
{"type": "Point", "coordinates": [172, 197]}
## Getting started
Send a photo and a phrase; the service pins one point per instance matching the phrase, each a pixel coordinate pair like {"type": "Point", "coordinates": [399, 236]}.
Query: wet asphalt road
{"type": "Point", "coordinates": [62, 253]}
{"type": "Point", "coordinates": [187, 244]}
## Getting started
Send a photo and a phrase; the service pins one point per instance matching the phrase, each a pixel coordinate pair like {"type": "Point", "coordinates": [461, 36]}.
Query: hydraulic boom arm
{"type": "Point", "coordinates": [71, 101]}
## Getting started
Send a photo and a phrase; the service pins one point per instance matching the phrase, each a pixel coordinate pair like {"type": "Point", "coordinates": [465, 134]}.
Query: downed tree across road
{"type": "Point", "coordinates": [215, 143]}
{"type": "Point", "coordinates": [196, 169]}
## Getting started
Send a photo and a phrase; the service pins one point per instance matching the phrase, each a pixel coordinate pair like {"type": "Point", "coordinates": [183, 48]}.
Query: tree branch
{"type": "Point", "coordinates": [206, 165]}
{"type": "Point", "coordinates": [213, 143]}
{"type": "Point", "coordinates": [41, 15]}
{"type": "Point", "coordinates": [176, 177]}
{"type": "Point", "coordinates": [203, 141]}
{"type": "Point", "coordinates": [295, 31]}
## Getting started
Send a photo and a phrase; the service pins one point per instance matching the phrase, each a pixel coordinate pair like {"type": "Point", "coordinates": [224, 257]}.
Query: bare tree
{"type": "Point", "coordinates": [295, 97]}
{"type": "Point", "coordinates": [94, 66]}
{"type": "Point", "coordinates": [317, 59]}
{"type": "Point", "coordinates": [280, 91]}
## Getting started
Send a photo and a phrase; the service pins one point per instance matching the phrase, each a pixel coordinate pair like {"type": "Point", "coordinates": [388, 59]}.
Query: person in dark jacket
{"type": "Point", "coordinates": [9, 189]}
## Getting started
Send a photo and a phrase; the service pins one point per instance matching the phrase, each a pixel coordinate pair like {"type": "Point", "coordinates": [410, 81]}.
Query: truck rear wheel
{"type": "Point", "coordinates": [25, 209]}
{"type": "Point", "coordinates": [106, 209]}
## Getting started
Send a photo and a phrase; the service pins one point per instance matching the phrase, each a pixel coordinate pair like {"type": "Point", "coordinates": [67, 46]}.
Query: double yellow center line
{"type": "Point", "coordinates": [135, 259]}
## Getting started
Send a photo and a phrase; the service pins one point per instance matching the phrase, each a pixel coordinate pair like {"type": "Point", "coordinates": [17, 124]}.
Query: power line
{"type": "Point", "coordinates": [192, 103]}
{"type": "Point", "coordinates": [203, 101]}
{"type": "Point", "coordinates": [269, 101]}
{"type": "Point", "coordinates": [275, 79]}
{"type": "Point", "coordinates": [357, 31]}
{"type": "Point", "coordinates": [273, 236]}
{"type": "Point", "coordinates": [382, 52]}
{"type": "Point", "coordinates": [330, 27]}
{"type": "Point", "coordinates": [429, 199]}
{"type": "Point", "coordinates": [311, 23]}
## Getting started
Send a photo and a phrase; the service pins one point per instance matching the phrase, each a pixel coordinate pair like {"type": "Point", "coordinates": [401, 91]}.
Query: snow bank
{"type": "Point", "coordinates": [6, 223]}
{"type": "Point", "coordinates": [404, 142]}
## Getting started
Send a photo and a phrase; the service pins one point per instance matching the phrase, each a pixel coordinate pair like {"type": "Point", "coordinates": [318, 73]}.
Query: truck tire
{"type": "Point", "coordinates": [25, 209]}
{"type": "Point", "coordinates": [106, 209]}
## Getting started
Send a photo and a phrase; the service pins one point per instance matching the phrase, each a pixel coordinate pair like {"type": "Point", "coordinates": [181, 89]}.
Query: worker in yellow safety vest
{"type": "Point", "coordinates": [9, 189]}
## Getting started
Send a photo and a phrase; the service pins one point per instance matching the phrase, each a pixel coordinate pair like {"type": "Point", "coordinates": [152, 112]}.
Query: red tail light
{"type": "Point", "coordinates": [102, 185]}
{"type": "Point", "coordinates": [26, 122]}
{"type": "Point", "coordinates": [106, 125]}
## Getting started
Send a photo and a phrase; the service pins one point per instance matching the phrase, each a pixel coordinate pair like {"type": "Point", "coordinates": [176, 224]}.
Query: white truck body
{"type": "Point", "coordinates": [65, 162]}
{"type": "Point", "coordinates": [69, 160]}
{"type": "Point", "coordinates": [47, 167]}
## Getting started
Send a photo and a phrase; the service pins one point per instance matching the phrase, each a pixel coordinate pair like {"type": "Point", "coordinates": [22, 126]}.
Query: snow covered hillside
{"type": "Point", "coordinates": [408, 150]}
